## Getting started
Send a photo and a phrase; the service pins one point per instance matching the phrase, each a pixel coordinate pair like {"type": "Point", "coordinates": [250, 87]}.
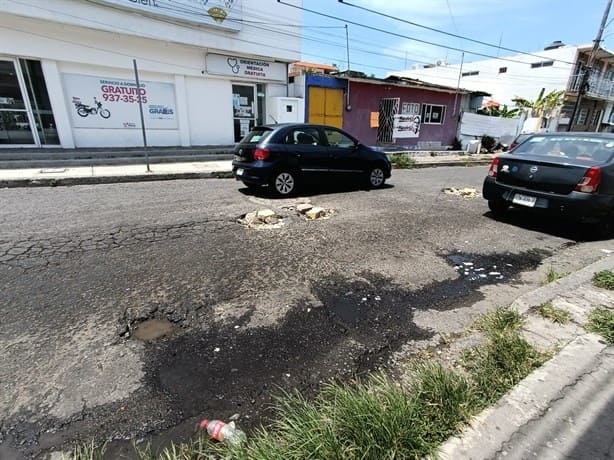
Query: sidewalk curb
{"type": "Point", "coordinates": [94, 180]}
{"type": "Point", "coordinates": [530, 399]}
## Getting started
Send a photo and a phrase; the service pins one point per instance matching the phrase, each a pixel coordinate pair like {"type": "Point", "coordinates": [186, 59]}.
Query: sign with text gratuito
{"type": "Point", "coordinates": [108, 102]}
{"type": "Point", "coordinates": [246, 68]}
{"type": "Point", "coordinates": [222, 14]}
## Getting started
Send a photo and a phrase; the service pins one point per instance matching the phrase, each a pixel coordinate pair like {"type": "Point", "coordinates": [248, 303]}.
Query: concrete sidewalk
{"type": "Point", "coordinates": [565, 409]}
{"type": "Point", "coordinates": [169, 171]}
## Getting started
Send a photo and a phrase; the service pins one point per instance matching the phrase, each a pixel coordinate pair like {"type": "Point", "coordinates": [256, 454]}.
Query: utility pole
{"type": "Point", "coordinates": [589, 66]}
{"type": "Point", "coordinates": [347, 46]}
{"type": "Point", "coordinates": [460, 74]}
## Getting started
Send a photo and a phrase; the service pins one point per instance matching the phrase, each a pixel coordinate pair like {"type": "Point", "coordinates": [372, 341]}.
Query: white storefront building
{"type": "Point", "coordinates": [207, 70]}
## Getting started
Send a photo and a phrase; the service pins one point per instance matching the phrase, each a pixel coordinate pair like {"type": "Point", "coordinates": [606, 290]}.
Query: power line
{"type": "Point", "coordinates": [317, 40]}
{"type": "Point", "coordinates": [377, 29]}
{"type": "Point", "coordinates": [450, 34]}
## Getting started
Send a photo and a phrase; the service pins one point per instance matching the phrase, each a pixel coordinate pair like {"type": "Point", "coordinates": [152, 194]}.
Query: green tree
{"type": "Point", "coordinates": [503, 112]}
{"type": "Point", "coordinates": [546, 105]}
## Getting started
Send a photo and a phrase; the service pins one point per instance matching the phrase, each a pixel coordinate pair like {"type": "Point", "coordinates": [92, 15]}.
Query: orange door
{"type": "Point", "coordinates": [326, 106]}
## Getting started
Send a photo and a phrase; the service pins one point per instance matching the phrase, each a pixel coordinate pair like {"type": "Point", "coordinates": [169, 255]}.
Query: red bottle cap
{"type": "Point", "coordinates": [204, 424]}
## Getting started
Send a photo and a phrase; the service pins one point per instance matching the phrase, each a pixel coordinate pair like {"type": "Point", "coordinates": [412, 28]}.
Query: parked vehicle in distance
{"type": "Point", "coordinates": [565, 174]}
{"type": "Point", "coordinates": [283, 156]}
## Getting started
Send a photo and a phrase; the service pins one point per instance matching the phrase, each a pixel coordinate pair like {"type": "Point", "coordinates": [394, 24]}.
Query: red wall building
{"type": "Point", "coordinates": [376, 102]}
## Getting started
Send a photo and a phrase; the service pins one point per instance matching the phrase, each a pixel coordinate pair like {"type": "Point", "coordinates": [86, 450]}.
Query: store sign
{"type": "Point", "coordinates": [252, 69]}
{"type": "Point", "coordinates": [107, 102]}
{"type": "Point", "coordinates": [406, 126]}
{"type": "Point", "coordinates": [223, 14]}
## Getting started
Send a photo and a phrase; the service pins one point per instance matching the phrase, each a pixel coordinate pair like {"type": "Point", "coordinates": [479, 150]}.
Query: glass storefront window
{"type": "Point", "coordinates": [244, 109]}
{"type": "Point", "coordinates": [14, 123]}
{"type": "Point", "coordinates": [39, 100]}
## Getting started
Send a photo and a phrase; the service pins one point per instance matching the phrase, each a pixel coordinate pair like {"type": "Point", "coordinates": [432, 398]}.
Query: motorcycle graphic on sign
{"type": "Point", "coordinates": [85, 110]}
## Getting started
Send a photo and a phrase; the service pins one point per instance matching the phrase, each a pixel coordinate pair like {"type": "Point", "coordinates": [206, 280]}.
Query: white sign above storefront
{"type": "Point", "coordinates": [251, 69]}
{"type": "Point", "coordinates": [107, 102]}
{"type": "Point", "coordinates": [223, 14]}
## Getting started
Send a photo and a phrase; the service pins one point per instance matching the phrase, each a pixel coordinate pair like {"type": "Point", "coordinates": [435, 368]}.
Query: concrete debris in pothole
{"type": "Point", "coordinates": [314, 212]}
{"type": "Point", "coordinates": [153, 329]}
{"type": "Point", "coordinates": [466, 192]}
{"type": "Point", "coordinates": [263, 218]}
{"type": "Point", "coordinates": [309, 211]}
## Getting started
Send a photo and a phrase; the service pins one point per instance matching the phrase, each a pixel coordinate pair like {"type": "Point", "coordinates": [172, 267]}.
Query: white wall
{"type": "Point", "coordinates": [519, 79]}
{"type": "Point", "coordinates": [253, 39]}
{"type": "Point", "coordinates": [203, 102]}
{"type": "Point", "coordinates": [210, 111]}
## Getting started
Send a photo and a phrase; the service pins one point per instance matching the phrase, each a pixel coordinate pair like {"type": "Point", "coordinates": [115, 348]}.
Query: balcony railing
{"type": "Point", "coordinates": [598, 86]}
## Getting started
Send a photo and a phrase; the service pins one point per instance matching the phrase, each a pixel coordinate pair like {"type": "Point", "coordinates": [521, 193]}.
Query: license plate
{"type": "Point", "coordinates": [524, 200]}
{"type": "Point", "coordinates": [240, 172]}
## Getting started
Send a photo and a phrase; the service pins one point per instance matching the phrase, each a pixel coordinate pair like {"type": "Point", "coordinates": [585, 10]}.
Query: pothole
{"type": "Point", "coordinates": [467, 192]}
{"type": "Point", "coordinates": [153, 329]}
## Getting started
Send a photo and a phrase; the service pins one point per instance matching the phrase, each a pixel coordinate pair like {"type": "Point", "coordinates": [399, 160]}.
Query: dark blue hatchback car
{"type": "Point", "coordinates": [284, 155]}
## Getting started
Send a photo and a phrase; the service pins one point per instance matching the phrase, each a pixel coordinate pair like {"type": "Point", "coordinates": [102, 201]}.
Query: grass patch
{"type": "Point", "coordinates": [505, 359]}
{"type": "Point", "coordinates": [502, 319]}
{"type": "Point", "coordinates": [87, 451]}
{"type": "Point", "coordinates": [554, 314]}
{"type": "Point", "coordinates": [604, 279]}
{"type": "Point", "coordinates": [552, 275]}
{"type": "Point", "coordinates": [402, 161]}
{"type": "Point", "coordinates": [378, 418]}
{"type": "Point", "coordinates": [601, 321]}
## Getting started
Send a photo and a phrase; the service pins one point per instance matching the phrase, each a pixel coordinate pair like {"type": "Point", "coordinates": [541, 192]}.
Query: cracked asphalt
{"type": "Point", "coordinates": [252, 310]}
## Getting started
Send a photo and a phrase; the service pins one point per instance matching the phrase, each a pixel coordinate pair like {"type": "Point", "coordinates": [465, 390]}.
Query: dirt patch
{"type": "Point", "coordinates": [153, 329]}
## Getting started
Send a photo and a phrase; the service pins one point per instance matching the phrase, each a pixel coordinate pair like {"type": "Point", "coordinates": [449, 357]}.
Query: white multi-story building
{"type": "Point", "coordinates": [206, 69]}
{"type": "Point", "coordinates": [557, 67]}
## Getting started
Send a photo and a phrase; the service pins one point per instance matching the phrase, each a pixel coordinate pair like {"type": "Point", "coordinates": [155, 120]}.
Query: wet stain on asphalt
{"type": "Point", "coordinates": [218, 370]}
{"type": "Point", "coordinates": [361, 321]}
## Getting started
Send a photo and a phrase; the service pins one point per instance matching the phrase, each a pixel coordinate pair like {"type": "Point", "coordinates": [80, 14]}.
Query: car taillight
{"type": "Point", "coordinates": [492, 172]}
{"type": "Point", "coordinates": [261, 154]}
{"type": "Point", "coordinates": [590, 181]}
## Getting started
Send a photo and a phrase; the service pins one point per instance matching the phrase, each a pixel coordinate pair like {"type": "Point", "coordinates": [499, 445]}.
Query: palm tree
{"type": "Point", "coordinates": [503, 112]}
{"type": "Point", "coordinates": [543, 106]}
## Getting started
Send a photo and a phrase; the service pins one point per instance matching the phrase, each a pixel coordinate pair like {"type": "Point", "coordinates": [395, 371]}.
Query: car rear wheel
{"type": "Point", "coordinates": [498, 207]}
{"type": "Point", "coordinates": [284, 183]}
{"type": "Point", "coordinates": [376, 177]}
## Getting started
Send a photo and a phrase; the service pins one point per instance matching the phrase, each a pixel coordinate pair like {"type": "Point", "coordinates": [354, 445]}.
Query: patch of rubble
{"type": "Point", "coordinates": [263, 218]}
{"type": "Point", "coordinates": [466, 192]}
{"type": "Point", "coordinates": [311, 212]}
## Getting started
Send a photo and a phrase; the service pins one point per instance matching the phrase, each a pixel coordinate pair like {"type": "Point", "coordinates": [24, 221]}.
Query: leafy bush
{"type": "Point", "coordinates": [402, 161]}
{"type": "Point", "coordinates": [489, 143]}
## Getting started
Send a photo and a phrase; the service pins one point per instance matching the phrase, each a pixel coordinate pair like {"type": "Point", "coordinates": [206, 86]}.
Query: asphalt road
{"type": "Point", "coordinates": [251, 310]}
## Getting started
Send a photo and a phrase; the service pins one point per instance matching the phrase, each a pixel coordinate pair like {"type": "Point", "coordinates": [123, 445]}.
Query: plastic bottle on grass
{"type": "Point", "coordinates": [223, 432]}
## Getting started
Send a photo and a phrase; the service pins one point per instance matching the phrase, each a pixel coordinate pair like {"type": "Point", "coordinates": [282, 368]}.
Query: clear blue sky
{"type": "Point", "coordinates": [525, 25]}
